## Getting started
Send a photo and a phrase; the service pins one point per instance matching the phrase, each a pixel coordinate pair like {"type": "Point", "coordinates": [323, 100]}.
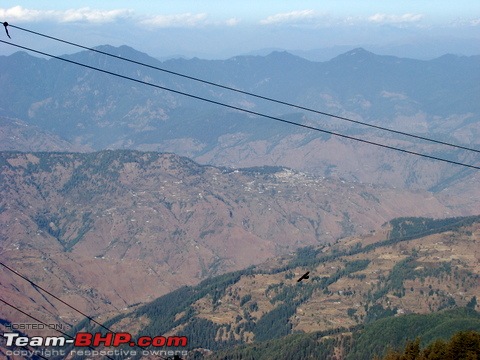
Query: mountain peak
{"type": "Point", "coordinates": [282, 55]}
{"type": "Point", "coordinates": [286, 57]}
{"type": "Point", "coordinates": [357, 53]}
{"type": "Point", "coordinates": [123, 50]}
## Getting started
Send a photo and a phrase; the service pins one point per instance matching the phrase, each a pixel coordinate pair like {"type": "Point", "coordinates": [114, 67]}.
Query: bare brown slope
{"type": "Point", "coordinates": [352, 160]}
{"type": "Point", "coordinates": [17, 135]}
{"type": "Point", "coordinates": [110, 229]}
{"type": "Point", "coordinates": [353, 282]}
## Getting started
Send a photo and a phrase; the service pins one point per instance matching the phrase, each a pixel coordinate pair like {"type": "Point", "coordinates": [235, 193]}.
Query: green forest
{"type": "Point", "coordinates": [379, 333]}
{"type": "Point", "coordinates": [464, 345]}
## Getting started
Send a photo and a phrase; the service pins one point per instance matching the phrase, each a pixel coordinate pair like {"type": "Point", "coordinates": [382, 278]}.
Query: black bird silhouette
{"type": "Point", "coordinates": [6, 30]}
{"type": "Point", "coordinates": [304, 276]}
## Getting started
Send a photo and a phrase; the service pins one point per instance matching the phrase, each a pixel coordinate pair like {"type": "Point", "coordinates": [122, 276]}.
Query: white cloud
{"type": "Point", "coordinates": [291, 17]}
{"type": "Point", "coordinates": [20, 14]}
{"type": "Point", "coordinates": [96, 16]}
{"type": "Point", "coordinates": [232, 22]}
{"type": "Point", "coordinates": [395, 19]}
{"type": "Point", "coordinates": [312, 17]}
{"type": "Point", "coordinates": [178, 20]}
{"type": "Point", "coordinates": [465, 22]}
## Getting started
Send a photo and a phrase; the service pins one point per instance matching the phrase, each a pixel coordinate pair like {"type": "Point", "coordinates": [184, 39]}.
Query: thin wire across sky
{"type": "Point", "coordinates": [246, 92]}
{"type": "Point", "coordinates": [250, 94]}
{"type": "Point", "coordinates": [230, 107]}
{"type": "Point", "coordinates": [246, 110]}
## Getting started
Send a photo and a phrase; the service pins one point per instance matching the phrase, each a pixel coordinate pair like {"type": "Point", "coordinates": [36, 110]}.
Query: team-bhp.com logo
{"type": "Point", "coordinates": [110, 339]}
{"type": "Point", "coordinates": [84, 339]}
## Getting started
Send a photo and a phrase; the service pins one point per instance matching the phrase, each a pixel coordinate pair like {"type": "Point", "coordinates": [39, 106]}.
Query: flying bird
{"type": "Point", "coordinates": [6, 30]}
{"type": "Point", "coordinates": [304, 276]}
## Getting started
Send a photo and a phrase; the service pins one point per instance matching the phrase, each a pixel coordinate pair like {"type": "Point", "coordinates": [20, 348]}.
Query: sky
{"type": "Point", "coordinates": [218, 29]}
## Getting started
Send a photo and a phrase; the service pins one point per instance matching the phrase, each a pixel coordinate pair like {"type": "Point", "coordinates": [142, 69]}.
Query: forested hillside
{"type": "Point", "coordinates": [417, 278]}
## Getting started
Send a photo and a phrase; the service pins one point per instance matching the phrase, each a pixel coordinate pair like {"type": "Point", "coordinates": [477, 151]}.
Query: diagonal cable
{"type": "Point", "coordinates": [41, 322]}
{"type": "Point", "coordinates": [244, 110]}
{"type": "Point", "coordinates": [63, 302]}
{"type": "Point", "coordinates": [248, 93]}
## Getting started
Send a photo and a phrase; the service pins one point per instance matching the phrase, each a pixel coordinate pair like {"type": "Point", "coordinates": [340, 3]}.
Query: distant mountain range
{"type": "Point", "coordinates": [437, 98]}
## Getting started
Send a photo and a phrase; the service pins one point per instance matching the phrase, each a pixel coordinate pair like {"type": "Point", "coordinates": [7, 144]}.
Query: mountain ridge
{"type": "Point", "coordinates": [64, 213]}
{"type": "Point", "coordinates": [421, 266]}
{"type": "Point", "coordinates": [97, 111]}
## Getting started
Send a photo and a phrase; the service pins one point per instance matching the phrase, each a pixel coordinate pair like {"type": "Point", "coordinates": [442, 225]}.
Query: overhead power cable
{"type": "Point", "coordinates": [41, 322]}
{"type": "Point", "coordinates": [247, 92]}
{"type": "Point", "coordinates": [63, 302]}
{"type": "Point", "coordinates": [244, 110]}
{"type": "Point", "coordinates": [52, 295]}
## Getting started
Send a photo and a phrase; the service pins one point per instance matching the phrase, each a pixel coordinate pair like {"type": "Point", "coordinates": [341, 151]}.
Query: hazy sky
{"type": "Point", "coordinates": [223, 28]}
